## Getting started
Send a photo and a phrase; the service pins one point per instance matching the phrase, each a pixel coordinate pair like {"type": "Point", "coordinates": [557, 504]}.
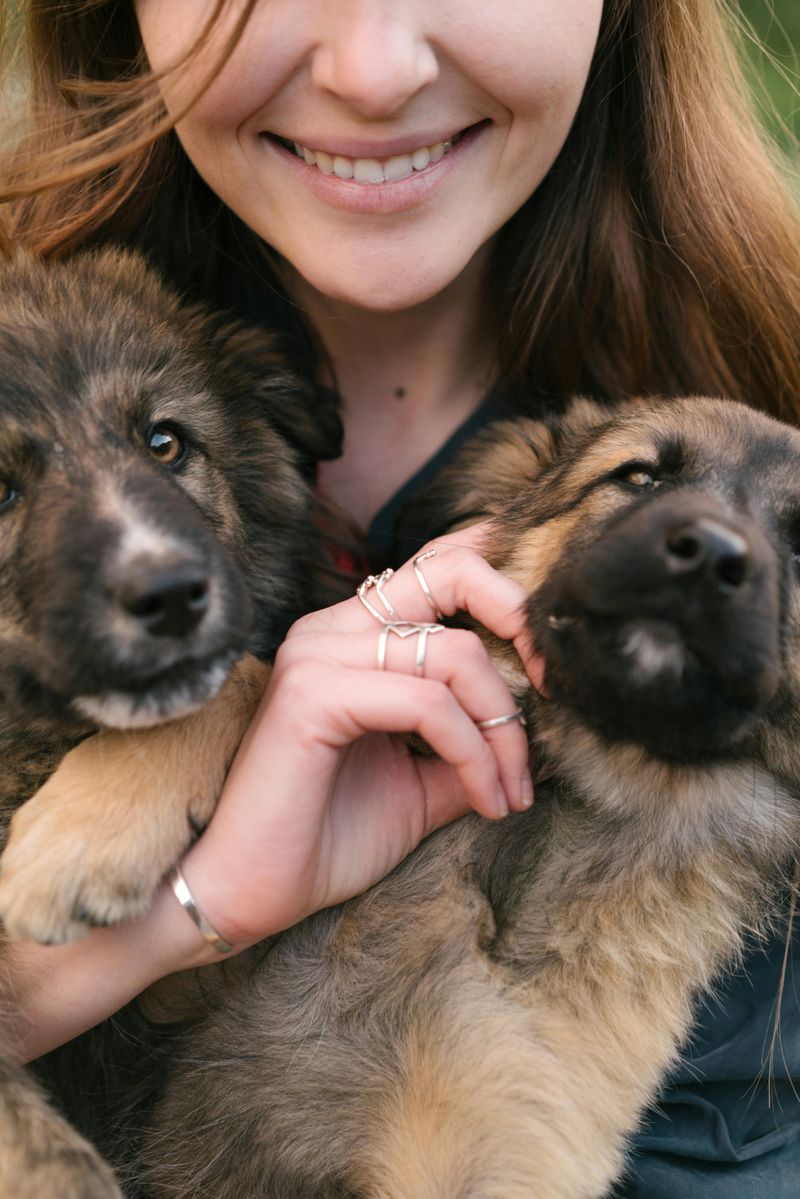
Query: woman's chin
{"type": "Point", "coordinates": [395, 284]}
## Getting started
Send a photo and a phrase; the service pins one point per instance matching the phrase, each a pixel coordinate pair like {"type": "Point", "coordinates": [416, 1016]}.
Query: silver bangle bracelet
{"type": "Point", "coordinates": [187, 901]}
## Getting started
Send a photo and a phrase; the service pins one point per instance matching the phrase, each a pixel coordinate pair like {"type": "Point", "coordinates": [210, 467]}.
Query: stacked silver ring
{"type": "Point", "coordinates": [391, 622]}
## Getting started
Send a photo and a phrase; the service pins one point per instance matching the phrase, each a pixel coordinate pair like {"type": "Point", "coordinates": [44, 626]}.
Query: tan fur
{"type": "Point", "coordinates": [539, 550]}
{"type": "Point", "coordinates": [41, 1157]}
{"type": "Point", "coordinates": [65, 852]}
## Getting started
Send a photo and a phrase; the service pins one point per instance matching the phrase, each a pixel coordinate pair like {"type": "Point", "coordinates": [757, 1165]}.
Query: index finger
{"type": "Point", "coordinates": [459, 580]}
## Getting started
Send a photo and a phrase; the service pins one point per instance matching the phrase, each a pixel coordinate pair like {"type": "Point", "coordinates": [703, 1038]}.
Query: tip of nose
{"type": "Point", "coordinates": [706, 544]}
{"type": "Point", "coordinates": [375, 70]}
{"type": "Point", "coordinates": [168, 604]}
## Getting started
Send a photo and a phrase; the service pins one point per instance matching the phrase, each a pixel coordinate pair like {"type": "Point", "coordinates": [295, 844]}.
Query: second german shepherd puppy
{"type": "Point", "coordinates": [491, 1020]}
{"type": "Point", "coordinates": [154, 524]}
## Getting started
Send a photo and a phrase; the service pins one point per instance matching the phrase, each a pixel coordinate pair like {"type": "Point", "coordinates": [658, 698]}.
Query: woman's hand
{"type": "Point", "coordinates": [324, 797]}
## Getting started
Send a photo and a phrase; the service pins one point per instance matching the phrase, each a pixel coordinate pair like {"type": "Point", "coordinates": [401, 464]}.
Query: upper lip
{"type": "Point", "coordinates": [355, 147]}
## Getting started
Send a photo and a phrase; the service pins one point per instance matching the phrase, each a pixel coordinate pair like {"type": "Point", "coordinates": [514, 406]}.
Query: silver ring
{"type": "Point", "coordinates": [187, 901]}
{"type": "Point", "coordinates": [378, 582]}
{"type": "Point", "coordinates": [423, 634]}
{"type": "Point", "coordinates": [501, 720]}
{"type": "Point", "coordinates": [423, 582]}
{"type": "Point", "coordinates": [403, 629]}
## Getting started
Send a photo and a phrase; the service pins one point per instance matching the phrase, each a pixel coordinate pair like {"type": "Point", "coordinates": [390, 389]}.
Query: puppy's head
{"type": "Point", "coordinates": [146, 496]}
{"type": "Point", "coordinates": [659, 561]}
{"type": "Point", "coordinates": [659, 543]}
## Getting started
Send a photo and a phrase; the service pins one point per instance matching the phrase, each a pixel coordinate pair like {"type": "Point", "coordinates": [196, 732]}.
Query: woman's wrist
{"type": "Point", "coordinates": [216, 891]}
{"type": "Point", "coordinates": [214, 941]}
{"type": "Point", "coordinates": [61, 991]}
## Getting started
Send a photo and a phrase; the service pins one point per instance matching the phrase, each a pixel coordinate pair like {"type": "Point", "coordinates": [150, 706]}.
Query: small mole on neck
{"type": "Point", "coordinates": [399, 393]}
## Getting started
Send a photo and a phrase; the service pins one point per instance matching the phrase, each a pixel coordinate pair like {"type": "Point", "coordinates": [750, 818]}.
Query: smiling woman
{"type": "Point", "coordinates": [450, 211]}
{"type": "Point", "coordinates": [494, 105]}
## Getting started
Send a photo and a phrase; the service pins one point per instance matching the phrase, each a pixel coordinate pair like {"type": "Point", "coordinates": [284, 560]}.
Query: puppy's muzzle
{"type": "Point", "coordinates": [662, 626]}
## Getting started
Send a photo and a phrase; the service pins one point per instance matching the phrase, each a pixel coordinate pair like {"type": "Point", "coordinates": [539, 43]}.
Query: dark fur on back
{"type": "Point", "coordinates": [492, 1018]}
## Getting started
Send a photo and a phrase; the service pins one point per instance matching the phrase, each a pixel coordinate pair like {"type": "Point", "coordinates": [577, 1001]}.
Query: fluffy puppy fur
{"type": "Point", "coordinates": [491, 1020]}
{"type": "Point", "coordinates": [155, 523]}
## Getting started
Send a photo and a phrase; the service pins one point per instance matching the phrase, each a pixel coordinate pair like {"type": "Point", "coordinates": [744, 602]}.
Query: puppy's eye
{"type": "Point", "coordinates": [166, 444]}
{"type": "Point", "coordinates": [641, 478]}
{"type": "Point", "coordinates": [8, 493]}
{"type": "Point", "coordinates": [635, 474]}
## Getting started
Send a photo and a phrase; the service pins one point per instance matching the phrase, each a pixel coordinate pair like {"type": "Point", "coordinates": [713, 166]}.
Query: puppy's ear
{"type": "Point", "coordinates": [496, 465]}
{"type": "Point", "coordinates": [252, 360]}
{"type": "Point", "coordinates": [309, 419]}
{"type": "Point", "coordinates": [489, 469]}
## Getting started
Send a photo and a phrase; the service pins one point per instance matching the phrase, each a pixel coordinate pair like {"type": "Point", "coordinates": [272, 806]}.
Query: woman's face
{"type": "Point", "coordinates": [422, 126]}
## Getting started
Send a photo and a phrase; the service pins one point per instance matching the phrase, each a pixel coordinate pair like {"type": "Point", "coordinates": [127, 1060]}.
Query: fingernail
{"type": "Point", "coordinates": [500, 801]}
{"type": "Point", "coordinates": [527, 789]}
{"type": "Point", "coordinates": [536, 672]}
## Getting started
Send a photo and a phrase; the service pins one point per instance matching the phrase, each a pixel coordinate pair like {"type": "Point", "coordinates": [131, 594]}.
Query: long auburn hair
{"type": "Point", "coordinates": [661, 254]}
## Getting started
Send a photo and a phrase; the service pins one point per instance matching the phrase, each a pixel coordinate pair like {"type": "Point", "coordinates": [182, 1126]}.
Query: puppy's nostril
{"type": "Point", "coordinates": [170, 605]}
{"type": "Point", "coordinates": [732, 569]}
{"type": "Point", "coordinates": [686, 548]}
{"type": "Point", "coordinates": [711, 547]}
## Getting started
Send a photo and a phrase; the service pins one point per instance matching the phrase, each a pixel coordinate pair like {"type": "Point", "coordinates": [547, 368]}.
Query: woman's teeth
{"type": "Point", "coordinates": [371, 170]}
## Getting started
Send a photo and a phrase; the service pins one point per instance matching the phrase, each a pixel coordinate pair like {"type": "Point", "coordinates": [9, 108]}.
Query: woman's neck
{"type": "Point", "coordinates": [407, 381]}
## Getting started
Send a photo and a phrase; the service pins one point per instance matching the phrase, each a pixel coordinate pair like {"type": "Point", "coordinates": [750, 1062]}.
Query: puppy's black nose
{"type": "Point", "coordinates": [708, 548]}
{"type": "Point", "coordinates": [169, 604]}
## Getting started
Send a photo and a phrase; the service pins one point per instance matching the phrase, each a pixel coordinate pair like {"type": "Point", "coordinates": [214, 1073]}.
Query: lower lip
{"type": "Point", "coordinates": [376, 197]}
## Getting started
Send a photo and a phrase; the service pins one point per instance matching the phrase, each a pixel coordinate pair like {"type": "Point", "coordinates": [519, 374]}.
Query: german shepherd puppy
{"type": "Point", "coordinates": [491, 1020]}
{"type": "Point", "coordinates": [155, 523]}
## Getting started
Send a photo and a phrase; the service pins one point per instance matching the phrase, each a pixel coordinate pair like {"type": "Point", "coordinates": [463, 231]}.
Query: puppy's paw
{"type": "Point", "coordinates": [68, 867]}
{"type": "Point", "coordinates": [93, 844]}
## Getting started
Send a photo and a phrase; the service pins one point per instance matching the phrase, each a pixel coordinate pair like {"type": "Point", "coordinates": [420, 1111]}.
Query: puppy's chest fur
{"type": "Point", "coordinates": [564, 904]}
{"type": "Point", "coordinates": [496, 1013]}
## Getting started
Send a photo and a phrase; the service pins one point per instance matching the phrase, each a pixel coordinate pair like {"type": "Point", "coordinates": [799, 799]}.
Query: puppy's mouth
{"type": "Point", "coordinates": [169, 695]}
{"type": "Point", "coordinates": [686, 690]}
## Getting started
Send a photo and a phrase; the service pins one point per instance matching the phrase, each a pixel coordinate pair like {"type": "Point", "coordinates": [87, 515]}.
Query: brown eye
{"type": "Point", "coordinates": [638, 476]}
{"type": "Point", "coordinates": [7, 494]}
{"type": "Point", "coordinates": [166, 444]}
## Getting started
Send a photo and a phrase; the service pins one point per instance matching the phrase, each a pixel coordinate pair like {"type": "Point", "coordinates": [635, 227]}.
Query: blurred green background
{"type": "Point", "coordinates": [774, 65]}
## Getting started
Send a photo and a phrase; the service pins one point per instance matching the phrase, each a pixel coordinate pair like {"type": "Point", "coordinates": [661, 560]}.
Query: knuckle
{"type": "Point", "coordinates": [468, 646]}
{"type": "Point", "coordinates": [438, 698]}
{"type": "Point", "coordinates": [302, 625]}
{"type": "Point", "coordinates": [298, 680]}
{"type": "Point", "coordinates": [286, 656]}
{"type": "Point", "coordinates": [440, 548]}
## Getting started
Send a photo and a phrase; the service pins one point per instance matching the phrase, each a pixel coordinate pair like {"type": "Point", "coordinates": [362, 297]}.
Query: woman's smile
{"type": "Point", "coordinates": [377, 177]}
